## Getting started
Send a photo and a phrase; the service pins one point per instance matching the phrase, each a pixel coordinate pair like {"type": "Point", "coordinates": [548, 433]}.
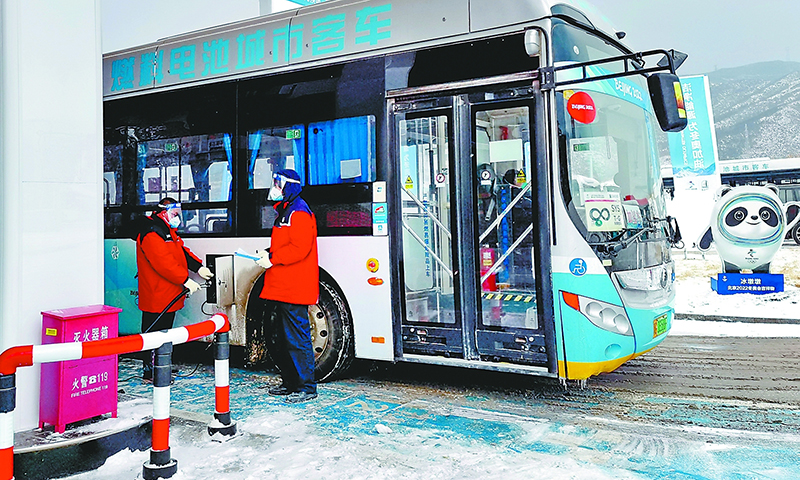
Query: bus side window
{"type": "Point", "coordinates": [191, 169]}
{"type": "Point", "coordinates": [342, 151]}
{"type": "Point", "coordinates": [209, 159]}
{"type": "Point", "coordinates": [273, 149]}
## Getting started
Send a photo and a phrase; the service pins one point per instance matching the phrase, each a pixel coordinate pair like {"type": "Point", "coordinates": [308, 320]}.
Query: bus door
{"type": "Point", "coordinates": [469, 227]}
{"type": "Point", "coordinates": [504, 203]}
{"type": "Point", "coordinates": [424, 148]}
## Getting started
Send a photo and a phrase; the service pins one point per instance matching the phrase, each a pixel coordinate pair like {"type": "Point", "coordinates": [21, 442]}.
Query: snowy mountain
{"type": "Point", "coordinates": [757, 110]}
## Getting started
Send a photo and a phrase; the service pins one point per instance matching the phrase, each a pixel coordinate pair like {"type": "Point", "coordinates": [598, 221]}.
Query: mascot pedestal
{"type": "Point", "coordinates": [748, 224]}
{"type": "Point", "coordinates": [758, 283]}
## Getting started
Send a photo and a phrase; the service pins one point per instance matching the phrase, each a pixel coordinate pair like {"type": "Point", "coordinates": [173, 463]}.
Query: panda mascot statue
{"type": "Point", "coordinates": [748, 224]}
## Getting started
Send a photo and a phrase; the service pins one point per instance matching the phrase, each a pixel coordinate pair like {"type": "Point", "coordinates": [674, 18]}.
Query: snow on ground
{"type": "Point", "coordinates": [694, 295]}
{"type": "Point", "coordinates": [288, 443]}
{"type": "Point", "coordinates": [704, 328]}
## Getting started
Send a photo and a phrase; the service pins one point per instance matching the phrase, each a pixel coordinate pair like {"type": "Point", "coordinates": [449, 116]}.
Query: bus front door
{"type": "Point", "coordinates": [468, 216]}
{"type": "Point", "coordinates": [504, 204]}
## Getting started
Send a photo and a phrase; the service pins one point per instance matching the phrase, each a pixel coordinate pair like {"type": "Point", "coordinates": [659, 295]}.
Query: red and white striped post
{"type": "Point", "coordinates": [27, 355]}
{"type": "Point", "coordinates": [161, 464]}
{"type": "Point", "coordinates": [222, 423]}
{"type": "Point", "coordinates": [8, 399]}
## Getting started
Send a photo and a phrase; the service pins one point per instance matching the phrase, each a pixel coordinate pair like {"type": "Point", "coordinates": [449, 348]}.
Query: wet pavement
{"type": "Point", "coordinates": [386, 419]}
{"type": "Point", "coordinates": [417, 421]}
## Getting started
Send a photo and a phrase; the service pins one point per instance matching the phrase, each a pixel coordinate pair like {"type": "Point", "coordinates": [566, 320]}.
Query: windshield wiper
{"type": "Point", "coordinates": [615, 245]}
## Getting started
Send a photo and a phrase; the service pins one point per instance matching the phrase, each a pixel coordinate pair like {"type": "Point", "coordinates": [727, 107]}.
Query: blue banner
{"type": "Point", "coordinates": [755, 283]}
{"type": "Point", "coordinates": [694, 150]}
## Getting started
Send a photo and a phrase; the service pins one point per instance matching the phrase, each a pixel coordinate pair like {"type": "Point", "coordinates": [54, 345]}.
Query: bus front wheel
{"type": "Point", "coordinates": [331, 331]}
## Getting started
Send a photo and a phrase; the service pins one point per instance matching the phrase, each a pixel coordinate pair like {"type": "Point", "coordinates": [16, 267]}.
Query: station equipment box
{"type": "Point", "coordinates": [76, 390]}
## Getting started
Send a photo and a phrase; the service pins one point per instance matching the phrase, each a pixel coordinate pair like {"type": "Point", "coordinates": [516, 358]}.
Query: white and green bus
{"type": "Point", "coordinates": [484, 174]}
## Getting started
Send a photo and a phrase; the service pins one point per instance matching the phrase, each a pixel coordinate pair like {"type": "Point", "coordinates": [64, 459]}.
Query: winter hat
{"type": "Point", "coordinates": [291, 186]}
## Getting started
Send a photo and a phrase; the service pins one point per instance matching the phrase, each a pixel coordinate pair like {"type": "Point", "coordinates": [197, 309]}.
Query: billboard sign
{"type": "Point", "coordinates": [694, 159]}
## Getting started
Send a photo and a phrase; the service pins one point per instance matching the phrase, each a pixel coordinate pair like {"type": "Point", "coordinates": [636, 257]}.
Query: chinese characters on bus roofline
{"type": "Point", "coordinates": [328, 35]}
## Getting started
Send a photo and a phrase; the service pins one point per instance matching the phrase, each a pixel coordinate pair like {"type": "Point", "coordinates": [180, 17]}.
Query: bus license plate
{"type": "Point", "coordinates": [660, 324]}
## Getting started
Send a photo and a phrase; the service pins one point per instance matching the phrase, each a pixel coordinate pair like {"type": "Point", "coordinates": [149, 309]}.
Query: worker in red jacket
{"type": "Point", "coordinates": [291, 284]}
{"type": "Point", "coordinates": [164, 263]}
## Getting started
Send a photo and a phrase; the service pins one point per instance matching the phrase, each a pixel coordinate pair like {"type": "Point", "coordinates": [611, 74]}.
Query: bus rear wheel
{"type": "Point", "coordinates": [331, 330]}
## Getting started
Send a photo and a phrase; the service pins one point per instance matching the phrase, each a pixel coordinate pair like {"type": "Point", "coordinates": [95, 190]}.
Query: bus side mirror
{"type": "Point", "coordinates": [667, 98]}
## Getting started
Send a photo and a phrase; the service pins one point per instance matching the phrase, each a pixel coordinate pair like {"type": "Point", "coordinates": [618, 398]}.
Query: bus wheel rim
{"type": "Point", "coordinates": [320, 333]}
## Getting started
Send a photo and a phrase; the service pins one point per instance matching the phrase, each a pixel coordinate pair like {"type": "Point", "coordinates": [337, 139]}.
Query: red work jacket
{"type": "Point", "coordinates": [294, 275]}
{"type": "Point", "coordinates": [164, 264]}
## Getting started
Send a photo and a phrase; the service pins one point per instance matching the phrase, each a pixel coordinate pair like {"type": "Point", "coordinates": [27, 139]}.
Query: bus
{"type": "Point", "coordinates": [484, 174]}
{"type": "Point", "coordinates": [784, 173]}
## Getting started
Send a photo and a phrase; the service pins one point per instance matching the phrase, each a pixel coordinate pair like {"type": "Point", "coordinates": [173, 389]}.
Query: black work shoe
{"type": "Point", "coordinates": [279, 390]}
{"type": "Point", "coordinates": [299, 397]}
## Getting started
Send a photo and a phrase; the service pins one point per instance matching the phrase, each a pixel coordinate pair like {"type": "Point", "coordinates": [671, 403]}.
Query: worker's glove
{"type": "Point", "coordinates": [205, 273]}
{"type": "Point", "coordinates": [264, 261]}
{"type": "Point", "coordinates": [192, 286]}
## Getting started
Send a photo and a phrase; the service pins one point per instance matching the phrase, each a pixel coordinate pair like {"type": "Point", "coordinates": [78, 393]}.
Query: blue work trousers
{"type": "Point", "coordinates": [294, 354]}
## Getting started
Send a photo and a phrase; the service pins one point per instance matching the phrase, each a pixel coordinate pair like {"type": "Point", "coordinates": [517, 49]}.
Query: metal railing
{"type": "Point", "coordinates": [161, 464]}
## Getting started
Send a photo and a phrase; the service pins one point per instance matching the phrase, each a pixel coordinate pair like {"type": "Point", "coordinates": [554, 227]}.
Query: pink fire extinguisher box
{"type": "Point", "coordinates": [75, 390]}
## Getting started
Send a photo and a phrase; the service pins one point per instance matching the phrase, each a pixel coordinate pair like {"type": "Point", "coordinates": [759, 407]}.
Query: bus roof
{"type": "Point", "coordinates": [311, 35]}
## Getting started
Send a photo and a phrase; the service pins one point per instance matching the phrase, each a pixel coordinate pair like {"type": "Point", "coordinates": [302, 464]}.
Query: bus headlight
{"type": "Point", "coordinates": [648, 288]}
{"type": "Point", "coordinates": [604, 315]}
{"type": "Point", "coordinates": [659, 277]}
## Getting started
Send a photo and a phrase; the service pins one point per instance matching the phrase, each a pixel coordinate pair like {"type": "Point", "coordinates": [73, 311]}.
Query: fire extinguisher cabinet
{"type": "Point", "coordinates": [75, 390]}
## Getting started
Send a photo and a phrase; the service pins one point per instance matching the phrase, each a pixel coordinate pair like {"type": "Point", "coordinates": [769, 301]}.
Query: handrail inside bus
{"type": "Point", "coordinates": [427, 248]}
{"type": "Point", "coordinates": [507, 253]}
{"type": "Point", "coordinates": [428, 213]}
{"type": "Point", "coordinates": [505, 212]}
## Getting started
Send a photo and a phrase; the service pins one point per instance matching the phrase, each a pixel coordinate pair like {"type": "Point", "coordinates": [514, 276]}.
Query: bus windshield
{"type": "Point", "coordinates": [609, 157]}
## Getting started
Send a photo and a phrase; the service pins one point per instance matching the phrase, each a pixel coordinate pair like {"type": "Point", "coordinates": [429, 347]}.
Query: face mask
{"type": "Point", "coordinates": [171, 214]}
{"type": "Point", "coordinates": [275, 194]}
